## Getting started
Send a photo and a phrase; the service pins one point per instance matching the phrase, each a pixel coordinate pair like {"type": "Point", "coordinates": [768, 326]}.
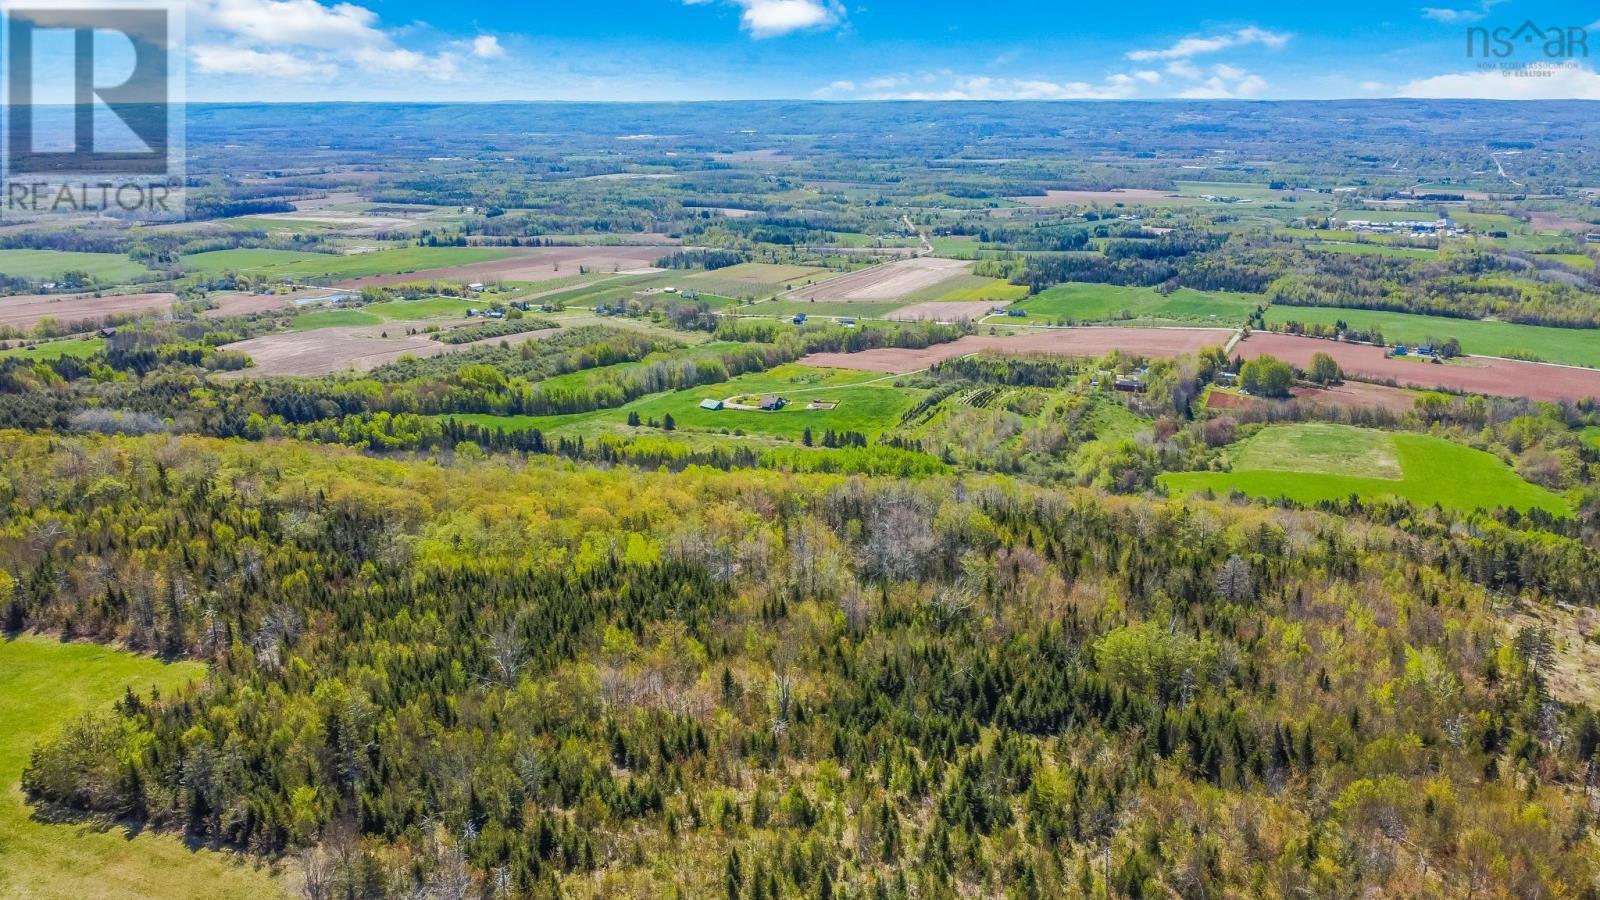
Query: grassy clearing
{"type": "Point", "coordinates": [378, 313]}
{"type": "Point", "coordinates": [752, 280]}
{"type": "Point", "coordinates": [1580, 261]}
{"type": "Point", "coordinates": [1114, 303]}
{"type": "Point", "coordinates": [988, 289]}
{"type": "Point", "coordinates": [81, 348]}
{"type": "Point", "coordinates": [334, 318]}
{"type": "Point", "coordinates": [243, 260]}
{"type": "Point", "coordinates": [1591, 434]}
{"type": "Point", "coordinates": [1240, 189]}
{"type": "Point", "coordinates": [1320, 464]}
{"type": "Point", "coordinates": [868, 408]}
{"type": "Point", "coordinates": [42, 683]}
{"type": "Point", "coordinates": [297, 226]}
{"type": "Point", "coordinates": [969, 288]}
{"type": "Point", "coordinates": [865, 309]}
{"type": "Point", "coordinates": [296, 264]}
{"type": "Point", "coordinates": [956, 246]}
{"type": "Point", "coordinates": [1371, 249]}
{"type": "Point", "coordinates": [48, 265]}
{"type": "Point", "coordinates": [1572, 346]}
{"type": "Point", "coordinates": [1320, 447]}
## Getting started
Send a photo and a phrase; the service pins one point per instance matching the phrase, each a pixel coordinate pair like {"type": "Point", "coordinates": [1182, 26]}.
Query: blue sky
{"type": "Point", "coordinates": [869, 49]}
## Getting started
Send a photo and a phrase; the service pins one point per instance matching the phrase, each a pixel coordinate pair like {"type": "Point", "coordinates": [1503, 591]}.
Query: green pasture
{"type": "Point", "coordinates": [1312, 462]}
{"type": "Point", "coordinates": [1572, 346]}
{"type": "Point", "coordinates": [43, 684]}
{"type": "Point", "coordinates": [1109, 302]}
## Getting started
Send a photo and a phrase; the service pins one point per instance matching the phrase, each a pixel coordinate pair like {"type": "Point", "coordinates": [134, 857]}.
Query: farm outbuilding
{"type": "Point", "coordinates": [710, 404]}
{"type": "Point", "coordinates": [770, 402]}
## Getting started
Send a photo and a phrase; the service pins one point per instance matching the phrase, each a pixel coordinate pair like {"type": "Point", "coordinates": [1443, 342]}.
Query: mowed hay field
{"type": "Point", "coordinates": [1312, 462]}
{"type": "Point", "coordinates": [44, 684]}
{"type": "Point", "coordinates": [295, 264]}
{"type": "Point", "coordinates": [1085, 342]}
{"type": "Point", "coordinates": [391, 311]}
{"type": "Point", "coordinates": [1077, 302]}
{"type": "Point", "coordinates": [24, 311]}
{"type": "Point", "coordinates": [49, 265]}
{"type": "Point", "coordinates": [896, 280]}
{"type": "Point", "coordinates": [1111, 197]}
{"type": "Point", "coordinates": [1477, 375]}
{"type": "Point", "coordinates": [340, 348]}
{"type": "Point", "coordinates": [747, 281]}
{"type": "Point", "coordinates": [1572, 346]}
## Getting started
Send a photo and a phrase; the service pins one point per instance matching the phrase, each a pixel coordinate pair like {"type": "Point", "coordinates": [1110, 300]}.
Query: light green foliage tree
{"type": "Point", "coordinates": [1267, 376]}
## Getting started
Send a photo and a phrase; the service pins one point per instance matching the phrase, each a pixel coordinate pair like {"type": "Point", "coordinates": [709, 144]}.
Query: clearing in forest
{"type": "Point", "coordinates": [1312, 462]}
{"type": "Point", "coordinates": [45, 683]}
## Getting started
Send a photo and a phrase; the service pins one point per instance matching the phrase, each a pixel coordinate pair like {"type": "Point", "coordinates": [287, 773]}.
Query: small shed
{"type": "Point", "coordinates": [710, 404]}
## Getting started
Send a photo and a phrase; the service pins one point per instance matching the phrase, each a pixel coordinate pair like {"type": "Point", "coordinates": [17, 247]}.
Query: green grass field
{"type": "Point", "coordinates": [298, 226]}
{"type": "Point", "coordinates": [868, 408]}
{"type": "Point", "coordinates": [970, 288]}
{"type": "Point", "coordinates": [1311, 462]}
{"type": "Point", "coordinates": [1573, 346]}
{"type": "Point", "coordinates": [1240, 189]}
{"type": "Point", "coordinates": [81, 348]}
{"type": "Point", "coordinates": [1580, 261]}
{"type": "Point", "coordinates": [334, 318]}
{"type": "Point", "coordinates": [865, 309]}
{"type": "Point", "coordinates": [378, 313]}
{"type": "Point", "coordinates": [1372, 249]}
{"type": "Point", "coordinates": [748, 280]}
{"type": "Point", "coordinates": [244, 260]}
{"type": "Point", "coordinates": [47, 265]}
{"type": "Point", "coordinates": [42, 683]}
{"type": "Point", "coordinates": [298, 264]}
{"type": "Point", "coordinates": [1109, 302]}
{"type": "Point", "coordinates": [1592, 435]}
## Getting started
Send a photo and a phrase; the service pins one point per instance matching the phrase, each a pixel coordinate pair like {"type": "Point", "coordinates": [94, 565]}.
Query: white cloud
{"type": "Point", "coordinates": [1221, 89]}
{"type": "Point", "coordinates": [300, 23]}
{"type": "Point", "coordinates": [1220, 82]}
{"type": "Point", "coordinates": [1196, 46]}
{"type": "Point", "coordinates": [487, 46]}
{"type": "Point", "coordinates": [1449, 15]}
{"type": "Point", "coordinates": [309, 40]}
{"type": "Point", "coordinates": [1556, 83]}
{"type": "Point", "coordinates": [836, 89]}
{"type": "Point", "coordinates": [1185, 69]}
{"type": "Point", "coordinates": [771, 18]}
{"type": "Point", "coordinates": [221, 60]}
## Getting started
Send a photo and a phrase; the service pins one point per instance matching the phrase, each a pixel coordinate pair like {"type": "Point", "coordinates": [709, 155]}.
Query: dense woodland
{"type": "Point", "coordinates": [551, 679]}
